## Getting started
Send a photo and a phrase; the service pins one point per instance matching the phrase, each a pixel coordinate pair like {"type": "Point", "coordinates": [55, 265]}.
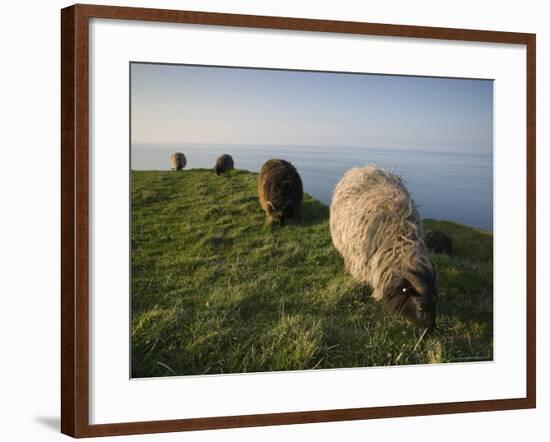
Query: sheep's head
{"type": "Point", "coordinates": [278, 214]}
{"type": "Point", "coordinates": [414, 296]}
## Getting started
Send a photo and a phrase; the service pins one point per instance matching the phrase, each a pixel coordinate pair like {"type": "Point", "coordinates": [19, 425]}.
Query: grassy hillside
{"type": "Point", "coordinates": [216, 290]}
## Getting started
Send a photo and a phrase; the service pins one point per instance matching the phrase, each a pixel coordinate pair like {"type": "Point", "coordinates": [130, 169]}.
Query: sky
{"type": "Point", "coordinates": [172, 104]}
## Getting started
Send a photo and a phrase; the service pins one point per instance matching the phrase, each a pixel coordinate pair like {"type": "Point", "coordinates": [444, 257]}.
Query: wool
{"type": "Point", "coordinates": [224, 163]}
{"type": "Point", "coordinates": [178, 161]}
{"type": "Point", "coordinates": [439, 242]}
{"type": "Point", "coordinates": [280, 191]}
{"type": "Point", "coordinates": [375, 226]}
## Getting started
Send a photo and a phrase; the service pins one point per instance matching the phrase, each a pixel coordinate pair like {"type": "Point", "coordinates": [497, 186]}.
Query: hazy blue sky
{"type": "Point", "coordinates": [187, 104]}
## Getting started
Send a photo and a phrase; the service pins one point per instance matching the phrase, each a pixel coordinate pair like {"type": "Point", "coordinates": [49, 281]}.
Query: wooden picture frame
{"type": "Point", "coordinates": [75, 219]}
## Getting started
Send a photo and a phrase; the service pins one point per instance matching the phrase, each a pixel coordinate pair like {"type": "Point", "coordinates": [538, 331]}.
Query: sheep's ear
{"type": "Point", "coordinates": [417, 284]}
{"type": "Point", "coordinates": [270, 207]}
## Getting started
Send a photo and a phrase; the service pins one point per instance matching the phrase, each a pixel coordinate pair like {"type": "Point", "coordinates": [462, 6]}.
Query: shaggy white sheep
{"type": "Point", "coordinates": [376, 227]}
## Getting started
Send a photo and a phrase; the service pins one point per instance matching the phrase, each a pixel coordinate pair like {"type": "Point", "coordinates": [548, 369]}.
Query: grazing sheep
{"type": "Point", "coordinates": [280, 190]}
{"type": "Point", "coordinates": [224, 163]}
{"type": "Point", "coordinates": [178, 161]}
{"type": "Point", "coordinates": [376, 228]}
{"type": "Point", "coordinates": [438, 242]}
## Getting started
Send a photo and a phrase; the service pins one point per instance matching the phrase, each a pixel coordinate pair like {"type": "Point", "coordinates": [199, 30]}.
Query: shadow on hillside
{"type": "Point", "coordinates": [313, 212]}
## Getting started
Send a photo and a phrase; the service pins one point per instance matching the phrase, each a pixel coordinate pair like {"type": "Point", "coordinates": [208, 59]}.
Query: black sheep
{"type": "Point", "coordinates": [280, 190]}
{"type": "Point", "coordinates": [439, 242]}
{"type": "Point", "coordinates": [224, 163]}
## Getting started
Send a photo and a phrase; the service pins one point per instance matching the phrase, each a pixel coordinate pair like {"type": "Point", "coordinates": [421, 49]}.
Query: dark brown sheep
{"type": "Point", "coordinates": [224, 163]}
{"type": "Point", "coordinates": [178, 161]}
{"type": "Point", "coordinates": [439, 242]}
{"type": "Point", "coordinates": [281, 191]}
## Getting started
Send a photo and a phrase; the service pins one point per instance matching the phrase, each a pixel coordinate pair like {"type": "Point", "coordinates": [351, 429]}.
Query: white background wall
{"type": "Point", "coordinates": [29, 218]}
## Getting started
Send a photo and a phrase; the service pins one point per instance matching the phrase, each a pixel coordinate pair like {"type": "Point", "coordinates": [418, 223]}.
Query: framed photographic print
{"type": "Point", "coordinates": [272, 220]}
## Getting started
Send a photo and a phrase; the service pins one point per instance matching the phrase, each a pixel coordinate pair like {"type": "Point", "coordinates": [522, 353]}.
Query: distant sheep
{"type": "Point", "coordinates": [224, 163]}
{"type": "Point", "coordinates": [376, 228]}
{"type": "Point", "coordinates": [280, 190]}
{"type": "Point", "coordinates": [178, 161]}
{"type": "Point", "coordinates": [439, 242]}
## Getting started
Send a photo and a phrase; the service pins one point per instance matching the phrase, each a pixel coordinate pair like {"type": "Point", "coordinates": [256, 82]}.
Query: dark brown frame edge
{"type": "Point", "coordinates": [74, 219]}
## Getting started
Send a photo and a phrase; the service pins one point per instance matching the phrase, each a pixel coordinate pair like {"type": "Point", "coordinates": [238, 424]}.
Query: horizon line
{"type": "Point", "coordinates": [412, 148]}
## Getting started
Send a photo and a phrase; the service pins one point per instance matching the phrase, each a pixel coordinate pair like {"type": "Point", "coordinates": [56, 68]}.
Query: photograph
{"type": "Point", "coordinates": [307, 220]}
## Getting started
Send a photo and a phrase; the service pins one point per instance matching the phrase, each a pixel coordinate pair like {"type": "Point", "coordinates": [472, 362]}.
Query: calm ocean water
{"type": "Point", "coordinates": [450, 186]}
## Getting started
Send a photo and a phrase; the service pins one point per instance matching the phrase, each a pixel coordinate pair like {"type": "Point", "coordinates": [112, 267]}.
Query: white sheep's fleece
{"type": "Point", "coordinates": [376, 227]}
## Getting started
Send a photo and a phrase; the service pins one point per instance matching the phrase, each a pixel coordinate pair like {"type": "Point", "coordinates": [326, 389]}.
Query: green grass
{"type": "Point", "coordinates": [217, 290]}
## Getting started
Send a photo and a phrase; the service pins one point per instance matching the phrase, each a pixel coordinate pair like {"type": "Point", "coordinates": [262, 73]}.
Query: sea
{"type": "Point", "coordinates": [453, 186]}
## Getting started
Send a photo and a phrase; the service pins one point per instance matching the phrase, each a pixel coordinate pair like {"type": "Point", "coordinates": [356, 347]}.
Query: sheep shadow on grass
{"type": "Point", "coordinates": [313, 212]}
